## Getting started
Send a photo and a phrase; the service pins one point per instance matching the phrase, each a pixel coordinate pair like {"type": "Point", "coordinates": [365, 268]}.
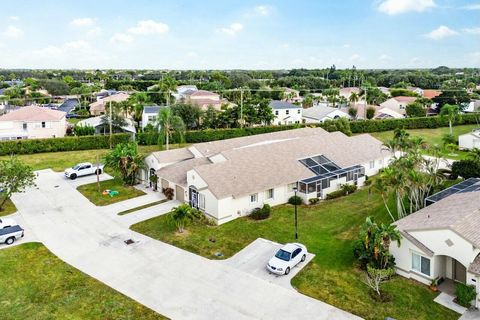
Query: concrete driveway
{"type": "Point", "coordinates": [253, 259]}
{"type": "Point", "coordinates": [173, 282]}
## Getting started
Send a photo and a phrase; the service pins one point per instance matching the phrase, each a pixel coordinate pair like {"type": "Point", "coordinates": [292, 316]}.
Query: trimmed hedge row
{"type": "Point", "coordinates": [60, 144]}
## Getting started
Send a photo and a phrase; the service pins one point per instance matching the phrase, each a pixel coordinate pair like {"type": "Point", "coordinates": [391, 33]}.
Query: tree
{"type": "Point", "coordinates": [126, 160]}
{"type": "Point", "coordinates": [474, 154]}
{"type": "Point", "coordinates": [451, 113]}
{"type": "Point", "coordinates": [182, 215]}
{"type": "Point", "coordinates": [354, 98]}
{"type": "Point", "coordinates": [415, 110]}
{"type": "Point", "coordinates": [308, 101]}
{"type": "Point", "coordinates": [118, 123]}
{"type": "Point", "coordinates": [169, 125]}
{"type": "Point", "coordinates": [375, 277]}
{"type": "Point", "coordinates": [352, 112]}
{"type": "Point", "coordinates": [166, 86]}
{"type": "Point", "coordinates": [190, 114]}
{"type": "Point", "coordinates": [210, 118]}
{"type": "Point", "coordinates": [15, 176]}
{"type": "Point", "coordinates": [370, 112]}
{"type": "Point", "coordinates": [466, 169]}
{"type": "Point", "coordinates": [264, 112]}
{"type": "Point", "coordinates": [452, 96]}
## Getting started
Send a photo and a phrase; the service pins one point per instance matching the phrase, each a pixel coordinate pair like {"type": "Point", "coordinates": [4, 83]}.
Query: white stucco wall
{"type": "Point", "coordinates": [468, 141]}
{"type": "Point", "coordinates": [34, 129]}
{"type": "Point", "coordinates": [293, 114]}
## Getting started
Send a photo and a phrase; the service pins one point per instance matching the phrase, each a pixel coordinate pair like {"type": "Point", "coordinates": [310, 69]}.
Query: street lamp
{"type": "Point", "coordinates": [295, 189]}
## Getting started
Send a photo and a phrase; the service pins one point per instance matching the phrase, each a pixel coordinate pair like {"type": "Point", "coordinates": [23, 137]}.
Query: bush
{"type": "Point", "coordinates": [84, 130]}
{"type": "Point", "coordinates": [465, 294]}
{"type": "Point", "coordinates": [295, 200]}
{"type": "Point", "coordinates": [168, 192]}
{"type": "Point", "coordinates": [313, 200]}
{"type": "Point", "coordinates": [466, 169]}
{"type": "Point", "coordinates": [30, 146]}
{"type": "Point", "coordinates": [344, 190]}
{"type": "Point", "coordinates": [449, 139]}
{"type": "Point", "coordinates": [261, 213]}
{"type": "Point", "coordinates": [335, 194]}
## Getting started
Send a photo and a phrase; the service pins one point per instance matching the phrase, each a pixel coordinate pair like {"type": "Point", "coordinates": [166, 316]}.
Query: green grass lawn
{"type": "Point", "coordinates": [35, 284]}
{"type": "Point", "coordinates": [433, 137]}
{"type": "Point", "coordinates": [90, 191]}
{"type": "Point", "coordinates": [328, 230]}
{"type": "Point", "coordinates": [59, 161]}
{"type": "Point", "coordinates": [122, 213]}
{"type": "Point", "coordinates": [8, 208]}
{"type": "Point", "coordinates": [74, 121]}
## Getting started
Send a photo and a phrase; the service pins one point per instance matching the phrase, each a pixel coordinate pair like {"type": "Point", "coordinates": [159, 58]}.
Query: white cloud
{"type": "Point", "coordinates": [13, 32]}
{"type": "Point", "coordinates": [95, 31]}
{"type": "Point", "coordinates": [82, 22]}
{"type": "Point", "coordinates": [192, 54]}
{"type": "Point", "coordinates": [355, 57]}
{"type": "Point", "coordinates": [233, 29]}
{"type": "Point", "coordinates": [441, 33]}
{"type": "Point", "coordinates": [385, 57]}
{"type": "Point", "coordinates": [346, 45]}
{"type": "Point", "coordinates": [148, 27]}
{"type": "Point", "coordinates": [263, 10]}
{"type": "Point", "coordinates": [121, 38]}
{"type": "Point", "coordinates": [14, 18]}
{"type": "Point", "coordinates": [393, 7]}
{"type": "Point", "coordinates": [77, 45]}
{"type": "Point", "coordinates": [472, 30]}
{"type": "Point", "coordinates": [473, 6]}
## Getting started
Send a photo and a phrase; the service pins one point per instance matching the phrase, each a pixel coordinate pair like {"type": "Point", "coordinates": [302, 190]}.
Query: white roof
{"type": "Point", "coordinates": [96, 121]}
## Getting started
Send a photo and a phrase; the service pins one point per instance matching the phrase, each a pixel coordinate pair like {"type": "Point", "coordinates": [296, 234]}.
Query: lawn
{"type": "Point", "coordinates": [328, 230]}
{"type": "Point", "coordinates": [59, 161]}
{"type": "Point", "coordinates": [35, 284]}
{"type": "Point", "coordinates": [8, 208]}
{"type": "Point", "coordinates": [433, 137]}
{"type": "Point", "coordinates": [90, 191]}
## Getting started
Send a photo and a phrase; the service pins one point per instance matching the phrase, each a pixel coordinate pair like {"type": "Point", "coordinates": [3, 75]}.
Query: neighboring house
{"type": "Point", "coordinates": [384, 90]}
{"type": "Point", "coordinates": [69, 105]}
{"type": "Point", "coordinates": [227, 179]}
{"type": "Point", "coordinates": [203, 99]}
{"type": "Point", "coordinates": [285, 112]}
{"type": "Point", "coordinates": [398, 104]}
{"type": "Point", "coordinates": [149, 115]}
{"type": "Point", "coordinates": [32, 122]}
{"type": "Point", "coordinates": [416, 90]}
{"type": "Point", "coordinates": [347, 92]}
{"type": "Point", "coordinates": [469, 140]}
{"type": "Point", "coordinates": [100, 128]}
{"type": "Point", "coordinates": [473, 106]}
{"type": "Point", "coordinates": [442, 240]}
{"type": "Point", "coordinates": [99, 107]}
{"type": "Point", "coordinates": [105, 93]}
{"type": "Point", "coordinates": [430, 94]}
{"type": "Point", "coordinates": [291, 95]}
{"type": "Point", "coordinates": [387, 113]}
{"type": "Point", "coordinates": [182, 90]}
{"type": "Point", "coordinates": [319, 114]}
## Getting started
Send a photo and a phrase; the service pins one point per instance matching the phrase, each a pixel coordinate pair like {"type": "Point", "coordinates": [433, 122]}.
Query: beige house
{"type": "Point", "coordinates": [32, 122]}
{"type": "Point", "coordinates": [398, 104]}
{"type": "Point", "coordinates": [228, 179]}
{"type": "Point", "coordinates": [99, 107]}
{"type": "Point", "coordinates": [203, 99]}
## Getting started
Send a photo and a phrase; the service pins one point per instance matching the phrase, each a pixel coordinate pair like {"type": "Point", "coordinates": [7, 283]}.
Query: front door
{"type": "Point", "coordinates": [459, 272]}
{"type": "Point", "coordinates": [193, 194]}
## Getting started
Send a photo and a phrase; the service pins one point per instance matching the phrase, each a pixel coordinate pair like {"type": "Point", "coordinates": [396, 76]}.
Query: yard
{"type": "Point", "coordinates": [8, 208]}
{"type": "Point", "coordinates": [90, 191]}
{"type": "Point", "coordinates": [433, 137]}
{"type": "Point", "coordinates": [328, 230]}
{"type": "Point", "coordinates": [35, 284]}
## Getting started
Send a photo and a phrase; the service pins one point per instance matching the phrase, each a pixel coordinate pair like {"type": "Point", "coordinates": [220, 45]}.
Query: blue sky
{"type": "Point", "coordinates": [245, 34]}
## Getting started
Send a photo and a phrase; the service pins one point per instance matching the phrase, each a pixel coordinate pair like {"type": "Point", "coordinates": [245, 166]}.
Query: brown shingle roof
{"type": "Point", "coordinates": [459, 212]}
{"type": "Point", "coordinates": [33, 113]}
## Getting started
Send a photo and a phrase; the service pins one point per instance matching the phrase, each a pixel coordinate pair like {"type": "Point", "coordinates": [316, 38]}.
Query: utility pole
{"type": "Point", "coordinates": [241, 107]}
{"type": "Point", "coordinates": [110, 122]}
{"type": "Point", "coordinates": [366, 104]}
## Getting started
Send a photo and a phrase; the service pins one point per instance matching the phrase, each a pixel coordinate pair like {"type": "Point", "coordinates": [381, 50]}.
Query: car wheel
{"type": "Point", "coordinates": [73, 176]}
{"type": "Point", "coordinates": [304, 257]}
{"type": "Point", "coordinates": [98, 172]}
{"type": "Point", "coordinates": [10, 240]}
{"type": "Point", "coordinates": [287, 271]}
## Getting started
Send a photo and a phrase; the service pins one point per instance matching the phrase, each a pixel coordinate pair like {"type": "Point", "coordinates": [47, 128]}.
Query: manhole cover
{"type": "Point", "coordinates": [129, 241]}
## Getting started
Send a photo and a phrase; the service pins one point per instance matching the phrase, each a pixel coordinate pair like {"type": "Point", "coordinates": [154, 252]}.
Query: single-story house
{"type": "Point", "coordinates": [442, 240]}
{"type": "Point", "coordinates": [398, 104]}
{"type": "Point", "coordinates": [469, 140]}
{"type": "Point", "coordinates": [149, 115]}
{"type": "Point", "coordinates": [473, 106]}
{"type": "Point", "coordinates": [285, 112]}
{"type": "Point", "coordinates": [319, 114]}
{"type": "Point", "coordinates": [100, 128]}
{"type": "Point", "coordinates": [32, 122]}
{"type": "Point", "coordinates": [387, 113]}
{"type": "Point", "coordinates": [99, 107]}
{"type": "Point", "coordinates": [430, 93]}
{"type": "Point", "coordinates": [347, 92]}
{"type": "Point", "coordinates": [229, 178]}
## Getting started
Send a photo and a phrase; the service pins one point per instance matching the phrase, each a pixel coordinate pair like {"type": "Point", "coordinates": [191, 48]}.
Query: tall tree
{"type": "Point", "coordinates": [169, 125]}
{"type": "Point", "coordinates": [166, 86]}
{"type": "Point", "coordinates": [15, 176]}
{"type": "Point", "coordinates": [451, 113]}
{"type": "Point", "coordinates": [126, 160]}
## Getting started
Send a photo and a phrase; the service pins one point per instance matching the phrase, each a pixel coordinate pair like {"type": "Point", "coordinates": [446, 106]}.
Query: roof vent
{"type": "Point", "coordinates": [449, 242]}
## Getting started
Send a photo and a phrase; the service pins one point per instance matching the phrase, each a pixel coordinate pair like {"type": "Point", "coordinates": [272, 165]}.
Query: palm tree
{"type": "Point", "coordinates": [354, 98]}
{"type": "Point", "coordinates": [169, 125]}
{"type": "Point", "coordinates": [126, 160]}
{"type": "Point", "coordinates": [166, 86]}
{"type": "Point", "coordinates": [450, 112]}
{"type": "Point", "coordinates": [182, 215]}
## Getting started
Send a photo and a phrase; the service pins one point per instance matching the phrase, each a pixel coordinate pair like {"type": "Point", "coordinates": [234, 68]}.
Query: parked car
{"type": "Point", "coordinates": [7, 222]}
{"type": "Point", "coordinates": [286, 258]}
{"type": "Point", "coordinates": [8, 235]}
{"type": "Point", "coordinates": [83, 169]}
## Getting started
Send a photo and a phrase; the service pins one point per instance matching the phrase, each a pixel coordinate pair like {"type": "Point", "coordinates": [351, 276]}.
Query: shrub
{"type": "Point", "coordinates": [168, 192]}
{"type": "Point", "coordinates": [370, 113]}
{"type": "Point", "coordinates": [313, 200]}
{"type": "Point", "coordinates": [335, 194]}
{"type": "Point", "coordinates": [84, 130]}
{"type": "Point", "coordinates": [295, 200]}
{"type": "Point", "coordinates": [449, 138]}
{"type": "Point", "coordinates": [261, 213]}
{"type": "Point", "coordinates": [465, 294]}
{"type": "Point", "coordinates": [344, 190]}
{"type": "Point", "coordinates": [466, 169]}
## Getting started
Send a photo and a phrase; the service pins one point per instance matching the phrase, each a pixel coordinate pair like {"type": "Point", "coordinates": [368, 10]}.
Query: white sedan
{"type": "Point", "coordinates": [286, 258]}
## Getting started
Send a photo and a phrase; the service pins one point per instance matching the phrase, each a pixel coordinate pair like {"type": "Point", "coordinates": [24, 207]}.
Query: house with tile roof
{"type": "Point", "coordinates": [99, 107]}
{"type": "Point", "coordinates": [396, 104]}
{"type": "Point", "coordinates": [203, 99]}
{"type": "Point", "coordinates": [442, 240]}
{"type": "Point", "coordinates": [32, 122]}
{"type": "Point", "coordinates": [228, 179]}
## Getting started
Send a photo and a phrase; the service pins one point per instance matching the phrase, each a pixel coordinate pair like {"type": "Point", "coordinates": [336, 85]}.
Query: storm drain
{"type": "Point", "coordinates": [129, 241]}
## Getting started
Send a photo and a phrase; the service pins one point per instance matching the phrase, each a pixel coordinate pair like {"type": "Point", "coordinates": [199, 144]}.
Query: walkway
{"type": "Point", "coordinates": [173, 282]}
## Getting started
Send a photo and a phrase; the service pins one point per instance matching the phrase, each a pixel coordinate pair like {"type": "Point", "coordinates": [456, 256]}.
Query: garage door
{"type": "Point", "coordinates": [180, 193]}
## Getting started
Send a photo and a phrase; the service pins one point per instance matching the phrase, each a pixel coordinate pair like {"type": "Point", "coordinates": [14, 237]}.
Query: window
{"type": "Point", "coordinates": [43, 125]}
{"type": "Point", "coordinates": [298, 111]}
{"type": "Point", "coordinates": [254, 197]}
{"type": "Point", "coordinates": [24, 126]}
{"type": "Point", "coordinates": [372, 164]}
{"type": "Point", "coordinates": [380, 162]}
{"type": "Point", "coordinates": [276, 112]}
{"type": "Point", "coordinates": [269, 194]}
{"type": "Point", "coordinates": [296, 252]}
{"type": "Point", "coordinates": [152, 118]}
{"type": "Point", "coordinates": [420, 264]}
{"type": "Point", "coordinates": [201, 201]}
{"type": "Point", "coordinates": [291, 186]}
{"type": "Point", "coordinates": [287, 112]}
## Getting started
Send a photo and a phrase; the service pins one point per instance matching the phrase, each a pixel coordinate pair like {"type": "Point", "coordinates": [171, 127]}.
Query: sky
{"type": "Point", "coordinates": [239, 34]}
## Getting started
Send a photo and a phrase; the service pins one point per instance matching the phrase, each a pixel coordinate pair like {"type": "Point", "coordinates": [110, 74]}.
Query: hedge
{"type": "Point", "coordinates": [30, 146]}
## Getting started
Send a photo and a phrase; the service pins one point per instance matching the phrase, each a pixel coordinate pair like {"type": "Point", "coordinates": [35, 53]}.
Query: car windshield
{"type": "Point", "coordinates": [76, 167]}
{"type": "Point", "coordinates": [283, 255]}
